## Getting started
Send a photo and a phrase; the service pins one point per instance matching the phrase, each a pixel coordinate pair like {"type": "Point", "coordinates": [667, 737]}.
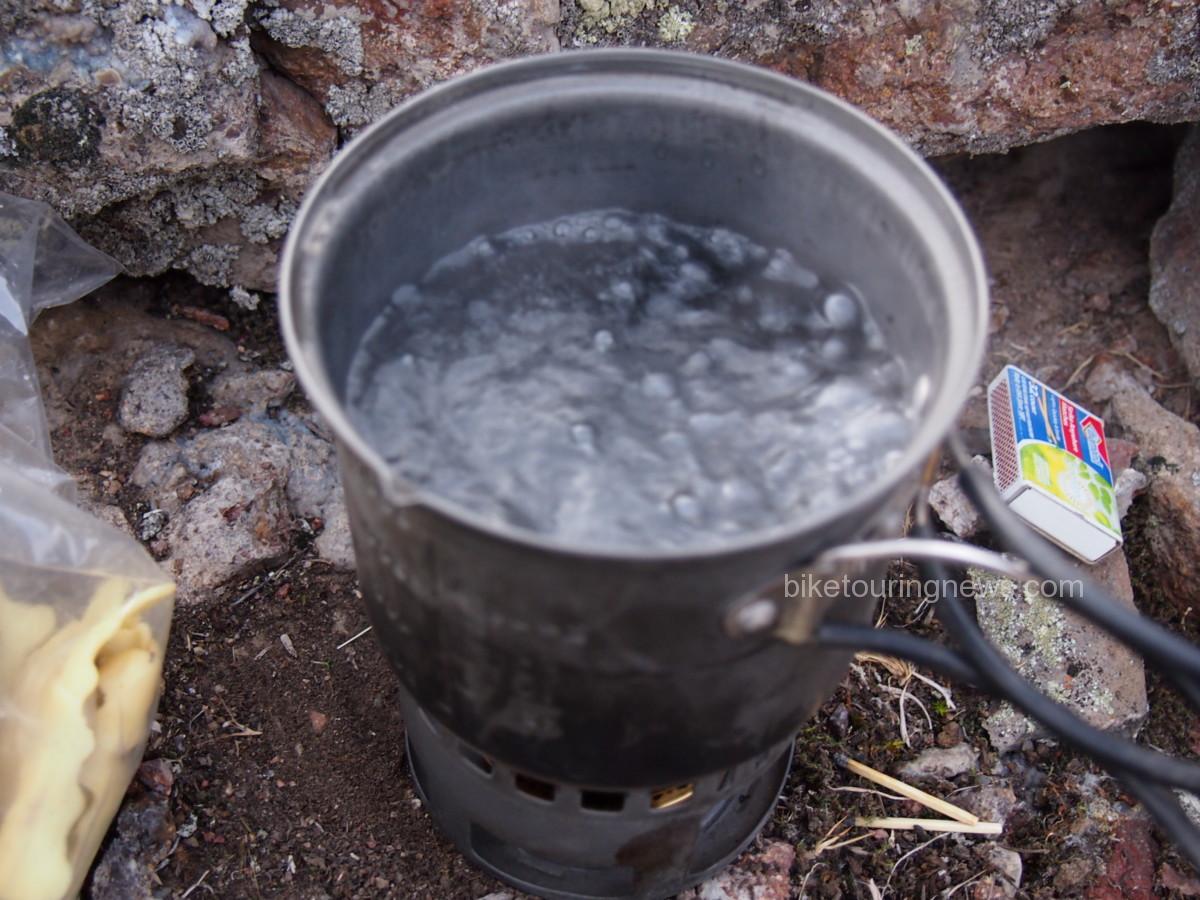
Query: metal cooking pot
{"type": "Point", "coordinates": [614, 671]}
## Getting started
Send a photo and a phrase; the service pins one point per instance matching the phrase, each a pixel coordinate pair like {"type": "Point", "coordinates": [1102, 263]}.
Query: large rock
{"type": "Point", "coordinates": [154, 129]}
{"type": "Point", "coordinates": [1169, 449]}
{"type": "Point", "coordinates": [1175, 258]}
{"type": "Point", "coordinates": [361, 57]}
{"type": "Point", "coordinates": [234, 494]}
{"type": "Point", "coordinates": [160, 130]}
{"type": "Point", "coordinates": [977, 75]}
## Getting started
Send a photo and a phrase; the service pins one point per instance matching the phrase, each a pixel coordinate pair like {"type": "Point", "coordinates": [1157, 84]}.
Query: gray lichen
{"type": "Point", "coordinates": [213, 263]}
{"type": "Point", "coordinates": [675, 25]}
{"type": "Point", "coordinates": [225, 16]}
{"type": "Point", "coordinates": [159, 134]}
{"type": "Point", "coordinates": [204, 202]}
{"type": "Point", "coordinates": [264, 222]}
{"type": "Point", "coordinates": [610, 15]}
{"type": "Point", "coordinates": [336, 33]}
{"type": "Point", "coordinates": [355, 104]}
{"type": "Point", "coordinates": [1020, 24]}
{"type": "Point", "coordinates": [243, 298]}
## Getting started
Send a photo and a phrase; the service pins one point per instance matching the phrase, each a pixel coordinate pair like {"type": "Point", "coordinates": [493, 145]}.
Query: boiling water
{"type": "Point", "coordinates": [620, 379]}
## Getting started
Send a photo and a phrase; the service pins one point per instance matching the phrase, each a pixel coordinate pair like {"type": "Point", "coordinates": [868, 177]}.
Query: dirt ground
{"type": "Point", "coordinates": [281, 724]}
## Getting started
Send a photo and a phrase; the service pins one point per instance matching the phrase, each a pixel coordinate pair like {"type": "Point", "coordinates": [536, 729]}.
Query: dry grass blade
{"type": "Point", "coordinates": [944, 691]}
{"type": "Point", "coordinates": [849, 789]}
{"type": "Point", "coordinates": [835, 838]}
{"type": "Point", "coordinates": [897, 668]}
{"type": "Point", "coordinates": [904, 695]}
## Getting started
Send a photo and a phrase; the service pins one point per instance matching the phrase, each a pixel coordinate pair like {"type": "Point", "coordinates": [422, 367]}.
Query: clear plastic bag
{"type": "Point", "coordinates": [84, 610]}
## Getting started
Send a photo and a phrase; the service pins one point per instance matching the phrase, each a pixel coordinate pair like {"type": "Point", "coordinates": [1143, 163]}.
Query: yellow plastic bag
{"type": "Point", "coordinates": [84, 610]}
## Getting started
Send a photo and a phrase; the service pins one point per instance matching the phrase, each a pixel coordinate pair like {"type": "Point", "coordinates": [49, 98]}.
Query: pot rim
{"type": "Point", "coordinates": [963, 357]}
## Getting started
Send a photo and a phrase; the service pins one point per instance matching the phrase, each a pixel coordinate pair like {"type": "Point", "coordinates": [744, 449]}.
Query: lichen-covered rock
{"type": "Point", "coordinates": [1063, 655]}
{"type": "Point", "coordinates": [183, 134]}
{"type": "Point", "coordinates": [977, 76]}
{"type": "Point", "coordinates": [153, 127]}
{"type": "Point", "coordinates": [1175, 258]}
{"type": "Point", "coordinates": [1169, 448]}
{"type": "Point", "coordinates": [361, 57]}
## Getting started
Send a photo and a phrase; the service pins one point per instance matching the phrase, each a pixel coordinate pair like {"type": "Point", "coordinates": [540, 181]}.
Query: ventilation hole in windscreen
{"type": "Point", "coordinates": [602, 801]}
{"type": "Point", "coordinates": [476, 760]}
{"type": "Point", "coordinates": [534, 787]}
{"type": "Point", "coordinates": [668, 797]}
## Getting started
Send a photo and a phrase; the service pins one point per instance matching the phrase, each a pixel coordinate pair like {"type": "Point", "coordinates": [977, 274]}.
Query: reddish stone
{"type": "Point", "coordinates": [1129, 871]}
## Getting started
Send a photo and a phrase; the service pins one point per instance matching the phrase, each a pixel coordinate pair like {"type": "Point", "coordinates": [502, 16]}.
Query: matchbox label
{"type": "Point", "coordinates": [1061, 448]}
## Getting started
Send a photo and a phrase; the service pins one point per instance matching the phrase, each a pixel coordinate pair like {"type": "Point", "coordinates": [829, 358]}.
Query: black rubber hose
{"type": "Point", "coordinates": [1175, 657]}
{"type": "Point", "coordinates": [1114, 752]}
{"type": "Point", "coordinates": [1158, 801]}
{"type": "Point", "coordinates": [898, 643]}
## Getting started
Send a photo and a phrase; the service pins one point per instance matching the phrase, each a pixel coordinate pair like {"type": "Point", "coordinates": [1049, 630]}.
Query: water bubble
{"type": "Point", "coordinates": [696, 273]}
{"type": "Point", "coordinates": [675, 443]}
{"type": "Point", "coordinates": [561, 229]}
{"type": "Point", "coordinates": [603, 340]}
{"type": "Point", "coordinates": [696, 364]}
{"type": "Point", "coordinates": [591, 235]}
{"type": "Point", "coordinates": [612, 223]}
{"type": "Point", "coordinates": [921, 390]}
{"type": "Point", "coordinates": [623, 291]}
{"type": "Point", "coordinates": [687, 508]}
{"type": "Point", "coordinates": [782, 266]}
{"type": "Point", "coordinates": [727, 247]}
{"type": "Point", "coordinates": [738, 498]}
{"type": "Point", "coordinates": [835, 349]}
{"type": "Point", "coordinates": [841, 310]}
{"type": "Point", "coordinates": [584, 436]}
{"type": "Point", "coordinates": [657, 386]}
